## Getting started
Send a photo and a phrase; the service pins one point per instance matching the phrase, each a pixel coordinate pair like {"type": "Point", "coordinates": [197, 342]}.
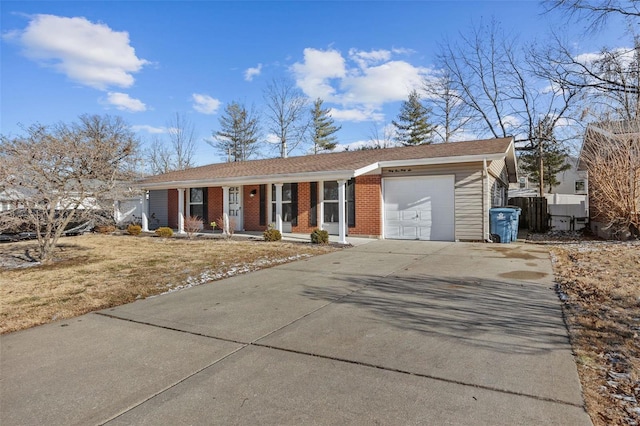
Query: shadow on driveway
{"type": "Point", "coordinates": [509, 317]}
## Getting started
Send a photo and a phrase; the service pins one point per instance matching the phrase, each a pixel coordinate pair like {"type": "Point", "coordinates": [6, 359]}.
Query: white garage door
{"type": "Point", "coordinates": [419, 208]}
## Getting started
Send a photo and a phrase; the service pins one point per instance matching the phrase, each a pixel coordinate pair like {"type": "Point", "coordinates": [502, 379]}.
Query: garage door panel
{"type": "Point", "coordinates": [392, 215]}
{"type": "Point", "coordinates": [420, 208]}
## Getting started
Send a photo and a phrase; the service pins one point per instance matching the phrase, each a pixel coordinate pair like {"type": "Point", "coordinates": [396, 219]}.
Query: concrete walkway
{"type": "Point", "coordinates": [387, 332]}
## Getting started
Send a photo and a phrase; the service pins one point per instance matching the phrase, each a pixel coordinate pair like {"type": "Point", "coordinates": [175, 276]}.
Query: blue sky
{"type": "Point", "coordinates": [147, 60]}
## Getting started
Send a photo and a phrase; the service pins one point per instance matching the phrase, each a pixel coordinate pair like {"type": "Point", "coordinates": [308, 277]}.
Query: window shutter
{"type": "Point", "coordinates": [313, 208]}
{"type": "Point", "coordinates": [351, 203]}
{"type": "Point", "coordinates": [294, 204]}
{"type": "Point", "coordinates": [205, 206]}
{"type": "Point", "coordinates": [263, 205]}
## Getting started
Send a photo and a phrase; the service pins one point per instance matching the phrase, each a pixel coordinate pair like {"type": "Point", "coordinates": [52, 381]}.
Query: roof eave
{"type": "Point", "coordinates": [251, 180]}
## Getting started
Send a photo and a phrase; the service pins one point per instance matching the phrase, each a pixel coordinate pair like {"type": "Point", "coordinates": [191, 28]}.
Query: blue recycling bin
{"type": "Point", "coordinates": [501, 222]}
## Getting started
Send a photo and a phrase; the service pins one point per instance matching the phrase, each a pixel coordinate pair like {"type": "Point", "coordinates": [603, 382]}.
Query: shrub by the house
{"type": "Point", "coordinates": [272, 234]}
{"type": "Point", "coordinates": [319, 236]}
{"type": "Point", "coordinates": [164, 232]}
{"type": "Point", "coordinates": [134, 229]}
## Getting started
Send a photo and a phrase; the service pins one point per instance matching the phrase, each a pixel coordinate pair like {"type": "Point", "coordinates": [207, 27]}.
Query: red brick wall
{"type": "Point", "coordinates": [368, 204]}
{"type": "Point", "coordinates": [251, 208]}
{"type": "Point", "coordinates": [172, 214]}
{"type": "Point", "coordinates": [304, 205]}
{"type": "Point", "coordinates": [214, 205]}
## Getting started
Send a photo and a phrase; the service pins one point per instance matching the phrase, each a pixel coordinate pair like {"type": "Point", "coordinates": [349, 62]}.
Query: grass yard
{"type": "Point", "coordinates": [95, 271]}
{"type": "Point", "coordinates": [600, 287]}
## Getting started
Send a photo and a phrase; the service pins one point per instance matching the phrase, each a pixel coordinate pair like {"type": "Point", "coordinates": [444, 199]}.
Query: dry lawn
{"type": "Point", "coordinates": [94, 272]}
{"type": "Point", "coordinates": [600, 284]}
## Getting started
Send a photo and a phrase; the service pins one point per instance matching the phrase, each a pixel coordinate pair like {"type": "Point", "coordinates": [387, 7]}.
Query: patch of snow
{"type": "Point", "coordinates": [232, 270]}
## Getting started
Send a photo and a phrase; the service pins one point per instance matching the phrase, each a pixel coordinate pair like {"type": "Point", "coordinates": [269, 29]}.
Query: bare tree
{"type": "Point", "coordinates": [608, 82]}
{"type": "Point", "coordinates": [177, 153]}
{"type": "Point", "coordinates": [286, 114]}
{"type": "Point", "coordinates": [239, 133]}
{"type": "Point", "coordinates": [505, 91]}
{"type": "Point", "coordinates": [449, 113]}
{"type": "Point", "coordinates": [64, 174]}
{"type": "Point", "coordinates": [611, 155]}
{"type": "Point", "coordinates": [490, 74]}
{"type": "Point", "coordinates": [382, 137]}
{"type": "Point", "coordinates": [182, 135]}
{"type": "Point", "coordinates": [596, 12]}
{"type": "Point", "coordinates": [159, 157]}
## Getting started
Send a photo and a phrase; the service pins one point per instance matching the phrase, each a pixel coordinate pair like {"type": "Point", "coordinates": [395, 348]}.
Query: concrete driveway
{"type": "Point", "coordinates": [390, 332]}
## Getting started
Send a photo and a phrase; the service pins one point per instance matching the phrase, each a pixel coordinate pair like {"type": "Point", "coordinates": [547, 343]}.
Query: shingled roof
{"type": "Point", "coordinates": [341, 164]}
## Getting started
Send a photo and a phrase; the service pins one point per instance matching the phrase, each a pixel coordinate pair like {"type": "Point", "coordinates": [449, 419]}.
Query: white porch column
{"type": "Point", "coordinates": [145, 211]}
{"type": "Point", "coordinates": [279, 207]}
{"type": "Point", "coordinates": [341, 212]}
{"type": "Point", "coordinates": [225, 209]}
{"type": "Point", "coordinates": [321, 204]}
{"type": "Point", "coordinates": [181, 211]}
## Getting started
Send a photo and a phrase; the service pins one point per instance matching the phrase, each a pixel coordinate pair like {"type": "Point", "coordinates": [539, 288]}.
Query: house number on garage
{"type": "Point", "coordinates": [399, 170]}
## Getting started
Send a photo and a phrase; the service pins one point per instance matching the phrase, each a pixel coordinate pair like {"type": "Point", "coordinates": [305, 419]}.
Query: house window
{"type": "Point", "coordinates": [523, 182]}
{"type": "Point", "coordinates": [331, 202]}
{"type": "Point", "coordinates": [330, 198]}
{"type": "Point", "coordinates": [287, 205]}
{"type": "Point", "coordinates": [580, 187]}
{"type": "Point", "coordinates": [196, 202]}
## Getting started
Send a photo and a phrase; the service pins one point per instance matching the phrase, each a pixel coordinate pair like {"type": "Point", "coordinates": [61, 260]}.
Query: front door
{"type": "Point", "coordinates": [235, 207]}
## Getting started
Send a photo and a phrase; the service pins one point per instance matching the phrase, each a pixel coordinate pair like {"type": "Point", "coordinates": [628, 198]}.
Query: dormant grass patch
{"type": "Point", "coordinates": [93, 272]}
{"type": "Point", "coordinates": [600, 283]}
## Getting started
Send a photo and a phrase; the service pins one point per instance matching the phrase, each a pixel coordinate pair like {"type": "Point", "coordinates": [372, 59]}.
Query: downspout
{"type": "Point", "coordinates": [486, 202]}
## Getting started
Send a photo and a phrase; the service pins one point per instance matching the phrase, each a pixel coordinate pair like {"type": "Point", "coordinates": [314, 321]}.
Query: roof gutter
{"type": "Point", "coordinates": [323, 175]}
{"type": "Point", "coordinates": [250, 180]}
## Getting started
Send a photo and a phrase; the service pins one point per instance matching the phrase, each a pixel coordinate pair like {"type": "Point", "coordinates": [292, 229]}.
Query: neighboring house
{"type": "Point", "coordinates": [609, 139]}
{"type": "Point", "coordinates": [427, 192]}
{"type": "Point", "coordinates": [567, 204]}
{"type": "Point", "coordinates": [10, 200]}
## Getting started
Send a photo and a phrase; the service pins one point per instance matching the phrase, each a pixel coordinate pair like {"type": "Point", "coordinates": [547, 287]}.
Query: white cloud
{"type": "Point", "coordinates": [364, 59]}
{"type": "Point", "coordinates": [124, 102]}
{"type": "Point", "coordinates": [624, 56]}
{"type": "Point", "coordinates": [511, 121]}
{"type": "Point", "coordinates": [149, 129]}
{"type": "Point", "coordinates": [389, 82]}
{"type": "Point", "coordinates": [89, 53]}
{"type": "Point", "coordinates": [272, 138]}
{"type": "Point", "coordinates": [252, 72]}
{"type": "Point", "coordinates": [205, 104]}
{"type": "Point", "coordinates": [356, 115]}
{"type": "Point", "coordinates": [362, 82]}
{"type": "Point", "coordinates": [314, 73]}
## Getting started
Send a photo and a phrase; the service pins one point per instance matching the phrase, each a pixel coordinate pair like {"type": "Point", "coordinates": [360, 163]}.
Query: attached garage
{"type": "Point", "coordinates": [419, 208]}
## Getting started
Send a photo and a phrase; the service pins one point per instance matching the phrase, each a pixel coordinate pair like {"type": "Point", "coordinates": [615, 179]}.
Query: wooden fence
{"type": "Point", "coordinates": [534, 216]}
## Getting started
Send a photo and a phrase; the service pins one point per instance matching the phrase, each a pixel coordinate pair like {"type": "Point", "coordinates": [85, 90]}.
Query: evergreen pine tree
{"type": "Point", "coordinates": [412, 125]}
{"type": "Point", "coordinates": [238, 134]}
{"type": "Point", "coordinates": [554, 157]}
{"type": "Point", "coordinates": [323, 128]}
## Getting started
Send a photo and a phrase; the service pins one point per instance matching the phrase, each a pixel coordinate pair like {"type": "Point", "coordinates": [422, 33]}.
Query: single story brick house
{"type": "Point", "coordinates": [426, 192]}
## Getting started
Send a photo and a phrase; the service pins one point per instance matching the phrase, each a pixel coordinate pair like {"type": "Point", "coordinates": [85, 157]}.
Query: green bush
{"type": "Point", "coordinates": [134, 229]}
{"type": "Point", "coordinates": [272, 234]}
{"type": "Point", "coordinates": [164, 232]}
{"type": "Point", "coordinates": [320, 237]}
